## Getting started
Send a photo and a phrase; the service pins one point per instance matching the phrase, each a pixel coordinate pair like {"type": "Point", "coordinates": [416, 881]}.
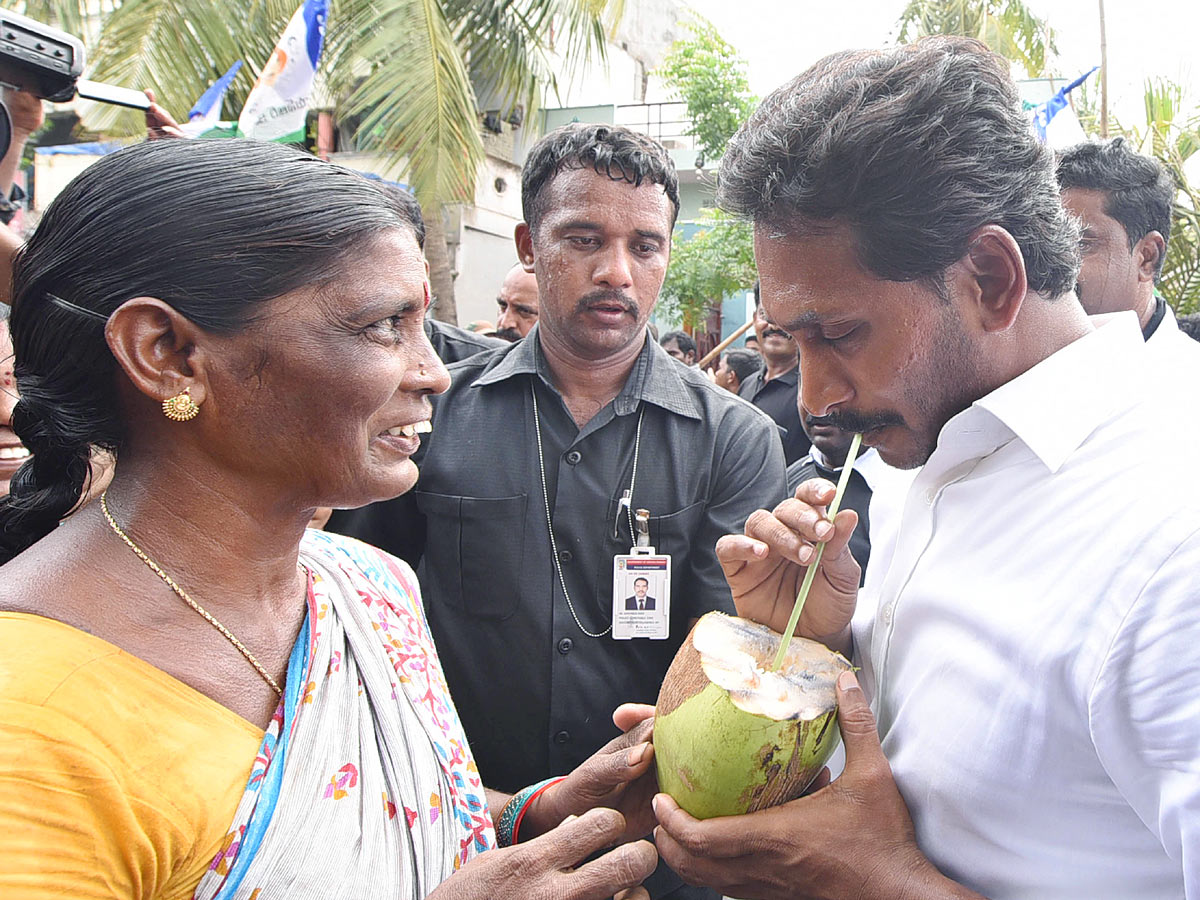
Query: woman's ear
{"type": "Point", "coordinates": [159, 349]}
{"type": "Point", "coordinates": [993, 272]}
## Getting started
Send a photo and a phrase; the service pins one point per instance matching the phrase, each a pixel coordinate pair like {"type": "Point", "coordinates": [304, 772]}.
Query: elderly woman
{"type": "Point", "coordinates": [198, 697]}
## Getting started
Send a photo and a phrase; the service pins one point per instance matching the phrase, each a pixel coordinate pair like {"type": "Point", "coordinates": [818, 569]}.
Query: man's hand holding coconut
{"type": "Point", "coordinates": [851, 837]}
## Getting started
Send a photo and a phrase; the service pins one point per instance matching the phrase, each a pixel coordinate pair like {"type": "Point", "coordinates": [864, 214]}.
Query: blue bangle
{"type": "Point", "coordinates": [514, 808]}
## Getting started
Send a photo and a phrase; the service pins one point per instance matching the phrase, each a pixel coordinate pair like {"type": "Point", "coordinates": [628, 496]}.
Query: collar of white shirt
{"type": "Point", "coordinates": [1057, 403]}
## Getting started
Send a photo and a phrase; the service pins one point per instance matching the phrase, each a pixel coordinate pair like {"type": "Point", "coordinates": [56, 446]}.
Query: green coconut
{"type": "Point", "coordinates": [731, 736]}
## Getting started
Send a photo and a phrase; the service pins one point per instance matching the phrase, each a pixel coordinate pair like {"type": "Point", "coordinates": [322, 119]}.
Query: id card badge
{"type": "Point", "coordinates": [641, 595]}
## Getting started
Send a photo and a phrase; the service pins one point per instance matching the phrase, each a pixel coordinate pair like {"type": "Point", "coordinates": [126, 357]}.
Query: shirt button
{"type": "Point", "coordinates": [930, 496]}
{"type": "Point", "coordinates": [565, 645]}
{"type": "Point", "coordinates": [563, 737]}
{"type": "Point", "coordinates": [887, 615]}
{"type": "Point", "coordinates": [565, 556]}
{"type": "Point", "coordinates": [574, 457]}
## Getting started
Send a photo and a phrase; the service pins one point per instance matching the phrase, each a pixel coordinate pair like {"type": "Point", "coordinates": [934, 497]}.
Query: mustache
{"type": "Point", "coordinates": [852, 422]}
{"type": "Point", "coordinates": [508, 334]}
{"type": "Point", "coordinates": [609, 296]}
{"type": "Point", "coordinates": [771, 330]}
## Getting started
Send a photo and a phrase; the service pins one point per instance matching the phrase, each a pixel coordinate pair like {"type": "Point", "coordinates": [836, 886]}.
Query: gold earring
{"type": "Point", "coordinates": [181, 407]}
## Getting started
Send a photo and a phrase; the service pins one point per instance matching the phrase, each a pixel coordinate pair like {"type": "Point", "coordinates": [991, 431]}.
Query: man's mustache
{"type": "Point", "coordinates": [856, 423]}
{"type": "Point", "coordinates": [770, 330]}
{"type": "Point", "coordinates": [607, 297]}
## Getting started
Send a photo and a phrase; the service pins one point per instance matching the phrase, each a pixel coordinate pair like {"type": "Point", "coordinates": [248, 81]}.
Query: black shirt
{"type": "Point", "coordinates": [535, 693]}
{"type": "Point", "coordinates": [857, 498]}
{"type": "Point", "coordinates": [777, 398]}
{"type": "Point", "coordinates": [453, 344]}
{"type": "Point", "coordinates": [403, 535]}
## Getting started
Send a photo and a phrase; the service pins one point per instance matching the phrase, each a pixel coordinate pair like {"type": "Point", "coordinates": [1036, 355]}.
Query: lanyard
{"type": "Point", "coordinates": [637, 443]}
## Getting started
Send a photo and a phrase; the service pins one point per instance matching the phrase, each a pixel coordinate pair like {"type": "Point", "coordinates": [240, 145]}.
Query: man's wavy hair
{"type": "Point", "coordinates": [610, 150]}
{"type": "Point", "coordinates": [1138, 190]}
{"type": "Point", "coordinates": [913, 147]}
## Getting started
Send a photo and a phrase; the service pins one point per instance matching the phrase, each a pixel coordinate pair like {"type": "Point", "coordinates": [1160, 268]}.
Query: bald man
{"type": "Point", "coordinates": [518, 302]}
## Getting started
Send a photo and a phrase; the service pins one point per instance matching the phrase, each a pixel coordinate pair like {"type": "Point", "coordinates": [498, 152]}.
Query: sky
{"type": "Point", "coordinates": [780, 38]}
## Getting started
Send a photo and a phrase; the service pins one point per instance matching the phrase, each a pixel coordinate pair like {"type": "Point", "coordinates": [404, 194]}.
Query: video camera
{"type": "Point", "coordinates": [48, 63]}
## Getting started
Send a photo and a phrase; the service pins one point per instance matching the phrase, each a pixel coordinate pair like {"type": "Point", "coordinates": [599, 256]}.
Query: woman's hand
{"type": "Point", "coordinates": [545, 867]}
{"type": "Point", "coordinates": [619, 776]}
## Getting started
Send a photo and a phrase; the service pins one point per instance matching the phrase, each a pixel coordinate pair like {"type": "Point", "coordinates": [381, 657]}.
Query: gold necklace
{"type": "Point", "coordinates": [208, 617]}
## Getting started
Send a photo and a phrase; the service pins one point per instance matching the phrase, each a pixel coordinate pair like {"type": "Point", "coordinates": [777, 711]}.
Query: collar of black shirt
{"type": "Point", "coordinates": [655, 378]}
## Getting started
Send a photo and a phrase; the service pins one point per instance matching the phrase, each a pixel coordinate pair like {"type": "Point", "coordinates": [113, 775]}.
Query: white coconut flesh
{"type": "Point", "coordinates": [736, 655]}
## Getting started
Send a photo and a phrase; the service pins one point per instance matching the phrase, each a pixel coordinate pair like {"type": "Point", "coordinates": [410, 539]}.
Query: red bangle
{"type": "Point", "coordinates": [528, 803]}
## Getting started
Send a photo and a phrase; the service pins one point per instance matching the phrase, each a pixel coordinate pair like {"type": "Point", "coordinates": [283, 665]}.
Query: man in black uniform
{"type": "Point", "coordinates": [775, 387]}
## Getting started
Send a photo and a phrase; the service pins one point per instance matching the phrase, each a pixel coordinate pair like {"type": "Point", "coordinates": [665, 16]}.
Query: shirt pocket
{"type": "Point", "coordinates": [671, 534]}
{"type": "Point", "coordinates": [474, 551]}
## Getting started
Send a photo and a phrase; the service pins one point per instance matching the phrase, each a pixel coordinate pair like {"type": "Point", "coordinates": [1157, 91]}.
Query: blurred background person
{"type": "Point", "coordinates": [680, 346]}
{"type": "Point", "coordinates": [12, 451]}
{"type": "Point", "coordinates": [518, 304]}
{"type": "Point", "coordinates": [735, 367]}
{"type": "Point", "coordinates": [775, 387]}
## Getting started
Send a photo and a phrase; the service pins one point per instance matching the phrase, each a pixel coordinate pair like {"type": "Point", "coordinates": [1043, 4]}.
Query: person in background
{"type": "Point", "coordinates": [199, 697]}
{"type": "Point", "coordinates": [679, 345]}
{"type": "Point", "coordinates": [12, 451]}
{"type": "Point", "coordinates": [752, 344]}
{"type": "Point", "coordinates": [1123, 201]}
{"type": "Point", "coordinates": [775, 387]}
{"type": "Point", "coordinates": [826, 459]}
{"type": "Point", "coordinates": [27, 115]}
{"type": "Point", "coordinates": [1027, 642]}
{"type": "Point", "coordinates": [735, 367]}
{"type": "Point", "coordinates": [1189, 324]}
{"type": "Point", "coordinates": [518, 303]}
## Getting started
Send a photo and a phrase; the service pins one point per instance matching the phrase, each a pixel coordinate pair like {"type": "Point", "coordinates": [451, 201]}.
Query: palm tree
{"type": "Point", "coordinates": [1008, 27]}
{"type": "Point", "coordinates": [408, 71]}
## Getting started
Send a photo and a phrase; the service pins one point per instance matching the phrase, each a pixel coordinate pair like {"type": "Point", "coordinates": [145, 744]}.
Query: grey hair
{"type": "Point", "coordinates": [913, 147]}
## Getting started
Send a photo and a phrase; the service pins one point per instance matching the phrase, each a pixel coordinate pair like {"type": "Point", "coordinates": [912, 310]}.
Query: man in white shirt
{"type": "Point", "coordinates": [1028, 635]}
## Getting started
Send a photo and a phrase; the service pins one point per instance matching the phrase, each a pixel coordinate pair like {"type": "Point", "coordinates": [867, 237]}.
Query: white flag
{"type": "Point", "coordinates": [278, 104]}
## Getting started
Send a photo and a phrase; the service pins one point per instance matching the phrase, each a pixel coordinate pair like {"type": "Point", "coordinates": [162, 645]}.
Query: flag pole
{"type": "Point", "coordinates": [716, 351]}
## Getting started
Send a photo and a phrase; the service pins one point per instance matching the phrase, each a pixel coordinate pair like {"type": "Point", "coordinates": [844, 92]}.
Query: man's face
{"type": "Point", "coordinates": [1109, 277]}
{"type": "Point", "coordinates": [600, 254]}
{"type": "Point", "coordinates": [518, 303]}
{"type": "Point", "coordinates": [888, 359]}
{"type": "Point", "coordinates": [672, 348]}
{"type": "Point", "coordinates": [639, 588]}
{"type": "Point", "coordinates": [725, 376]}
{"type": "Point", "coordinates": [833, 442]}
{"type": "Point", "coordinates": [775, 344]}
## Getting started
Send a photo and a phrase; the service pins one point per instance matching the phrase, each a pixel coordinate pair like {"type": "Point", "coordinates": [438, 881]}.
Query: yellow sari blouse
{"type": "Point", "coordinates": [116, 780]}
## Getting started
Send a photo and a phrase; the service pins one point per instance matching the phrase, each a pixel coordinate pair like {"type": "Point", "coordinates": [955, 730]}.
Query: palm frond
{"type": "Point", "coordinates": [71, 16]}
{"type": "Point", "coordinates": [178, 48]}
{"type": "Point", "coordinates": [416, 101]}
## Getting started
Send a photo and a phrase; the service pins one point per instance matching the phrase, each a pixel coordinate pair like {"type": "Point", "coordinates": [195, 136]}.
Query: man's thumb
{"type": "Point", "coordinates": [857, 723]}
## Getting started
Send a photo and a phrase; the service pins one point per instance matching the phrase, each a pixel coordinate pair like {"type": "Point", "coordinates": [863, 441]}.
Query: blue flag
{"type": "Point", "coordinates": [1048, 110]}
{"type": "Point", "coordinates": [208, 107]}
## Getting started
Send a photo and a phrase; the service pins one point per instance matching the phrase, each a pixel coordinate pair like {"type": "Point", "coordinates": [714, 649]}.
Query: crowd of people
{"type": "Point", "coordinates": [448, 692]}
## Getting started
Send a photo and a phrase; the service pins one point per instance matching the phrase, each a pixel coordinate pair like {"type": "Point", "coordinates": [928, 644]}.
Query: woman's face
{"type": "Point", "coordinates": [12, 453]}
{"type": "Point", "coordinates": [322, 399]}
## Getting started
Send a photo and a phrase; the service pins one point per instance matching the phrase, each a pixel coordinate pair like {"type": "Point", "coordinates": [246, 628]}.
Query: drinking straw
{"type": "Point", "coordinates": [806, 585]}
